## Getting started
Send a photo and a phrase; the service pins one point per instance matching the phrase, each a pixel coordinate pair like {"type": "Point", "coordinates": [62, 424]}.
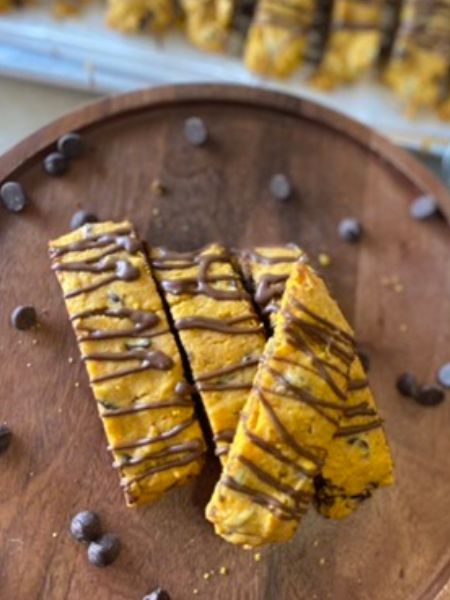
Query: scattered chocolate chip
{"type": "Point", "coordinates": [24, 317]}
{"type": "Point", "coordinates": [55, 164]}
{"type": "Point", "coordinates": [71, 145]}
{"type": "Point", "coordinates": [429, 395]}
{"type": "Point", "coordinates": [443, 375]}
{"type": "Point", "coordinates": [104, 551]}
{"type": "Point", "coordinates": [85, 526]}
{"type": "Point", "coordinates": [364, 358]}
{"type": "Point", "coordinates": [407, 385]}
{"type": "Point", "coordinates": [82, 217]}
{"type": "Point", "coordinates": [195, 131]}
{"type": "Point", "coordinates": [280, 187]}
{"type": "Point", "coordinates": [5, 438]}
{"type": "Point", "coordinates": [158, 594]}
{"type": "Point", "coordinates": [158, 188]}
{"type": "Point", "coordinates": [350, 230]}
{"type": "Point", "coordinates": [424, 207]}
{"type": "Point", "coordinates": [13, 196]}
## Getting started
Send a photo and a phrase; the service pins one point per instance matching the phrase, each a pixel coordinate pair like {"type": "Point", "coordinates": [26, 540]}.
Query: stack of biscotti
{"type": "Point", "coordinates": [292, 418]}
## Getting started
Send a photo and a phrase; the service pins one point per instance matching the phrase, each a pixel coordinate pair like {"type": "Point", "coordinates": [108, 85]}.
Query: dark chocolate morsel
{"type": "Point", "coordinates": [158, 594]}
{"type": "Point", "coordinates": [429, 395]}
{"type": "Point", "coordinates": [85, 526]}
{"type": "Point", "coordinates": [104, 551]}
{"type": "Point", "coordinates": [5, 438]}
{"type": "Point", "coordinates": [55, 164]}
{"type": "Point", "coordinates": [81, 217]}
{"type": "Point", "coordinates": [350, 230]}
{"type": "Point", "coordinates": [280, 187]}
{"type": "Point", "coordinates": [443, 375]}
{"type": "Point", "coordinates": [24, 317]}
{"type": "Point", "coordinates": [195, 131]}
{"type": "Point", "coordinates": [71, 145]}
{"type": "Point", "coordinates": [13, 196]}
{"type": "Point", "coordinates": [424, 207]}
{"type": "Point", "coordinates": [407, 385]}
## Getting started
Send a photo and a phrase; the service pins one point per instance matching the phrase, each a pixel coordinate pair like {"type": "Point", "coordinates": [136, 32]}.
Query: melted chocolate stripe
{"type": "Point", "coordinates": [298, 495]}
{"type": "Point", "coordinates": [137, 408]}
{"type": "Point", "coordinates": [358, 384]}
{"type": "Point", "coordinates": [270, 287]}
{"type": "Point", "coordinates": [226, 435]}
{"type": "Point", "coordinates": [219, 325]}
{"type": "Point", "coordinates": [91, 241]}
{"type": "Point", "coordinates": [165, 435]}
{"type": "Point", "coordinates": [169, 451]}
{"type": "Point", "coordinates": [354, 429]}
{"type": "Point", "coordinates": [166, 467]}
{"type": "Point", "coordinates": [150, 360]}
{"type": "Point", "coordinates": [228, 370]}
{"type": "Point", "coordinates": [265, 500]}
{"type": "Point", "coordinates": [262, 259]}
{"type": "Point", "coordinates": [223, 387]}
{"type": "Point", "coordinates": [327, 324]}
{"type": "Point", "coordinates": [142, 322]}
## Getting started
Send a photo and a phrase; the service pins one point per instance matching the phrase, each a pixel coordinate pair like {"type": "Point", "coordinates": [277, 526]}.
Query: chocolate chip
{"type": "Point", "coordinates": [82, 217]}
{"type": "Point", "coordinates": [55, 164]}
{"type": "Point", "coordinates": [407, 385]}
{"type": "Point", "coordinates": [71, 145]}
{"type": "Point", "coordinates": [13, 196]}
{"type": "Point", "coordinates": [85, 526]}
{"type": "Point", "coordinates": [429, 395]}
{"type": "Point", "coordinates": [280, 187]}
{"type": "Point", "coordinates": [443, 375]}
{"type": "Point", "coordinates": [195, 131]}
{"type": "Point", "coordinates": [24, 317]}
{"type": "Point", "coordinates": [5, 438]}
{"type": "Point", "coordinates": [158, 594]}
{"type": "Point", "coordinates": [104, 551]}
{"type": "Point", "coordinates": [424, 207]}
{"type": "Point", "coordinates": [350, 230]}
{"type": "Point", "coordinates": [364, 358]}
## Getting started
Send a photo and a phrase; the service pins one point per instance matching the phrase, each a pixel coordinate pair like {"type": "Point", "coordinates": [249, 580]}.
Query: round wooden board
{"type": "Point", "coordinates": [397, 545]}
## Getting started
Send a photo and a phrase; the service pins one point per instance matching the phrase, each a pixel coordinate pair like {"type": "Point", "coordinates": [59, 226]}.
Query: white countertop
{"type": "Point", "coordinates": [25, 106]}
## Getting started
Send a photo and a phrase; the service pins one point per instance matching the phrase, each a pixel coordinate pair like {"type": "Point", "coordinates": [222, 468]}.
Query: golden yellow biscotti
{"type": "Point", "coordinates": [353, 42]}
{"type": "Point", "coordinates": [208, 23]}
{"type": "Point", "coordinates": [219, 330]}
{"type": "Point", "coordinates": [420, 59]}
{"type": "Point", "coordinates": [140, 15]}
{"type": "Point", "coordinates": [278, 37]}
{"type": "Point", "coordinates": [359, 460]}
{"type": "Point", "coordinates": [287, 425]}
{"type": "Point", "coordinates": [131, 357]}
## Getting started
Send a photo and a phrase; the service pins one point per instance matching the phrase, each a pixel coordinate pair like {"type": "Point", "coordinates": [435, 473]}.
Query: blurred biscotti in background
{"type": "Point", "coordinates": [404, 43]}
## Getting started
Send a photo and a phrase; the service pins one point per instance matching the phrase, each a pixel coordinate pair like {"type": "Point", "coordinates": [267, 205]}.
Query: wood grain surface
{"type": "Point", "coordinates": [397, 545]}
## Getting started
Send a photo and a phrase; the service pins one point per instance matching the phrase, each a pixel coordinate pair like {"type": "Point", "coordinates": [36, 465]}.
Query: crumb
{"type": "Point", "coordinates": [185, 227]}
{"type": "Point", "coordinates": [31, 473]}
{"type": "Point", "coordinates": [77, 384]}
{"type": "Point", "coordinates": [155, 211]}
{"type": "Point", "coordinates": [28, 365]}
{"type": "Point", "coordinates": [257, 556]}
{"type": "Point", "coordinates": [398, 287]}
{"type": "Point", "coordinates": [403, 327]}
{"type": "Point", "coordinates": [315, 543]}
{"type": "Point", "coordinates": [321, 562]}
{"type": "Point", "coordinates": [212, 571]}
{"type": "Point", "coordinates": [34, 342]}
{"type": "Point", "coordinates": [19, 342]}
{"type": "Point", "coordinates": [70, 360]}
{"type": "Point", "coordinates": [60, 410]}
{"type": "Point", "coordinates": [206, 576]}
{"type": "Point", "coordinates": [223, 571]}
{"type": "Point", "coordinates": [54, 534]}
{"type": "Point", "coordinates": [385, 280]}
{"type": "Point", "coordinates": [324, 259]}
{"type": "Point", "coordinates": [247, 547]}
{"type": "Point", "coordinates": [195, 591]}
{"type": "Point", "coordinates": [158, 187]}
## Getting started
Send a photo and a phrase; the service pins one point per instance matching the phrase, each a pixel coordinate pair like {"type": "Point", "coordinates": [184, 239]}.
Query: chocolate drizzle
{"type": "Point", "coordinates": [147, 359]}
{"type": "Point", "coordinates": [220, 325]}
{"type": "Point", "coordinates": [269, 288]}
{"type": "Point", "coordinates": [143, 322]}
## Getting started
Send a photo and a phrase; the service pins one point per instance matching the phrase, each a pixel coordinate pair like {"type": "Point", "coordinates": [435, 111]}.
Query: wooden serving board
{"type": "Point", "coordinates": [397, 545]}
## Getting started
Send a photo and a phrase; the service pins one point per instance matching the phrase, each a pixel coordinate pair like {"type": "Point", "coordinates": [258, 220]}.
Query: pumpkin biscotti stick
{"type": "Point", "coordinates": [208, 22]}
{"type": "Point", "coordinates": [353, 44]}
{"type": "Point", "coordinates": [219, 331]}
{"type": "Point", "coordinates": [278, 37]}
{"type": "Point", "coordinates": [420, 60]}
{"type": "Point", "coordinates": [140, 15]}
{"type": "Point", "coordinates": [287, 425]}
{"type": "Point", "coordinates": [359, 459]}
{"type": "Point", "coordinates": [132, 359]}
